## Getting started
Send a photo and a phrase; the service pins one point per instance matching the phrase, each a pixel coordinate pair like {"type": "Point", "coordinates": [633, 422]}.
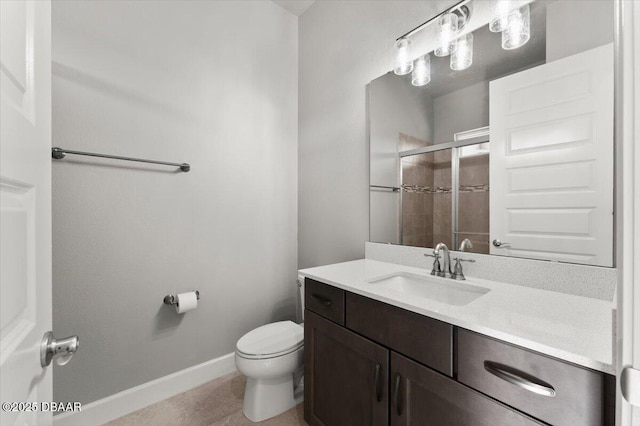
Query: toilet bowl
{"type": "Point", "coordinates": [269, 356]}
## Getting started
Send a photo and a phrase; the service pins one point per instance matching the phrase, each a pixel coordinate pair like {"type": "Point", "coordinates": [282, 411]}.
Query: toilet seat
{"type": "Point", "coordinates": [271, 341]}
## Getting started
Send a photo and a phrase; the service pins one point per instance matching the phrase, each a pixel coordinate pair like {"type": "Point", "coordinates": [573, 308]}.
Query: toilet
{"type": "Point", "coordinates": [271, 357]}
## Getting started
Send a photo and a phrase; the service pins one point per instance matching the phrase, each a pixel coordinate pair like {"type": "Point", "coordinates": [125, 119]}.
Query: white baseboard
{"type": "Point", "coordinates": [130, 400]}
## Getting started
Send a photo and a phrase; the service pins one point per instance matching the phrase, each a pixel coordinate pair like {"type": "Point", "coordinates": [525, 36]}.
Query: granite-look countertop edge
{"type": "Point", "coordinates": [572, 328]}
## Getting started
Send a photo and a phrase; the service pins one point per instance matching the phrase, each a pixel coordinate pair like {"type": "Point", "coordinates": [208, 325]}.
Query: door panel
{"type": "Point", "coordinates": [552, 160]}
{"type": "Point", "coordinates": [25, 205]}
{"type": "Point", "coordinates": [427, 398]}
{"type": "Point", "coordinates": [341, 369]}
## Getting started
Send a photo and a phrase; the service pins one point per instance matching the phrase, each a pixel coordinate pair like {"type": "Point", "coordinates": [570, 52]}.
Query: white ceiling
{"type": "Point", "coordinates": [297, 7]}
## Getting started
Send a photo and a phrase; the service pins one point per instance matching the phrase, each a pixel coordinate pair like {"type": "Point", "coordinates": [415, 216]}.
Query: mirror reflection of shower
{"type": "Point", "coordinates": [445, 191]}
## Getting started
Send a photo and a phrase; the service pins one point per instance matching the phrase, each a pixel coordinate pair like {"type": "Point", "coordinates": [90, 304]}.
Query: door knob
{"type": "Point", "coordinates": [51, 347]}
{"type": "Point", "coordinates": [498, 243]}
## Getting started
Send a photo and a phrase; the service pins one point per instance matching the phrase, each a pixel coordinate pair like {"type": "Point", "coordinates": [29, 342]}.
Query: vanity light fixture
{"type": "Point", "coordinates": [447, 30]}
{"type": "Point", "coordinates": [511, 17]}
{"type": "Point", "coordinates": [451, 21]}
{"type": "Point", "coordinates": [403, 63]}
{"type": "Point", "coordinates": [500, 14]}
{"type": "Point", "coordinates": [462, 56]}
{"type": "Point", "coordinates": [421, 74]}
{"type": "Point", "coordinates": [518, 30]}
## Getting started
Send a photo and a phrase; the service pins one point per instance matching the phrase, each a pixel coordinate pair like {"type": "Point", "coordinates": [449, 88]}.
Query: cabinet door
{"type": "Point", "coordinates": [421, 396]}
{"type": "Point", "coordinates": [346, 376]}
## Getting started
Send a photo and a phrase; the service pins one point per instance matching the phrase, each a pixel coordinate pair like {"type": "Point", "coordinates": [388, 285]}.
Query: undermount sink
{"type": "Point", "coordinates": [443, 290]}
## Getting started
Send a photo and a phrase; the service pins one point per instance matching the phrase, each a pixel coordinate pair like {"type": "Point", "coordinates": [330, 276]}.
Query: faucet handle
{"type": "Point", "coordinates": [435, 269]}
{"type": "Point", "coordinates": [457, 269]}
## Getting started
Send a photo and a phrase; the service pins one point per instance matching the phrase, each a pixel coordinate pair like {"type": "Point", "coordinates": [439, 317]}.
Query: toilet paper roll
{"type": "Point", "coordinates": [186, 302]}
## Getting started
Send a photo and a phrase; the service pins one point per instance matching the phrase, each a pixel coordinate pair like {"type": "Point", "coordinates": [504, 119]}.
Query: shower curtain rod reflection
{"type": "Point", "coordinates": [59, 153]}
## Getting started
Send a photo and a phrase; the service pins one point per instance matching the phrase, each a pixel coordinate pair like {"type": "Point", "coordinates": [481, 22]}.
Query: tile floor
{"type": "Point", "coordinates": [217, 403]}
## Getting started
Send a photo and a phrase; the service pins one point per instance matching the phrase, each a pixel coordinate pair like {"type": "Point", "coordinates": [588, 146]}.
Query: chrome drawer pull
{"type": "Point", "coordinates": [326, 302]}
{"type": "Point", "coordinates": [520, 379]}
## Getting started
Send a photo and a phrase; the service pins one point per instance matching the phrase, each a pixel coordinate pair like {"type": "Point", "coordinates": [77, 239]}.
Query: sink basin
{"type": "Point", "coordinates": [443, 290]}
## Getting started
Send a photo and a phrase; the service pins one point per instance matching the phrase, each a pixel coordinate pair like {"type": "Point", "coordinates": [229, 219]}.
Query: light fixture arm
{"type": "Point", "coordinates": [461, 9]}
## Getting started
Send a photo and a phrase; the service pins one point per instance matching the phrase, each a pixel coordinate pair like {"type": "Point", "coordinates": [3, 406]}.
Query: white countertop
{"type": "Point", "coordinates": [573, 328]}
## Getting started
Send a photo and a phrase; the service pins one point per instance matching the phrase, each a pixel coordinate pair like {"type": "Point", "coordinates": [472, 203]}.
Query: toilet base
{"type": "Point", "coordinates": [266, 398]}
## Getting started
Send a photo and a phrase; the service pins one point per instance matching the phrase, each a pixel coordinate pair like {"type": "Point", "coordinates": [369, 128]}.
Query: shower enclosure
{"type": "Point", "coordinates": [444, 193]}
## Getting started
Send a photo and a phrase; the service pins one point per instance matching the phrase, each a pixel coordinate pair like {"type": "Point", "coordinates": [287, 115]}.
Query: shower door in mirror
{"type": "Point", "coordinates": [445, 195]}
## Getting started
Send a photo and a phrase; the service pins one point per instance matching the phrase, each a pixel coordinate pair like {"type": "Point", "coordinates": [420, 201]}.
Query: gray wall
{"type": "Point", "coordinates": [575, 26]}
{"type": "Point", "coordinates": [464, 109]}
{"type": "Point", "coordinates": [210, 83]}
{"type": "Point", "coordinates": [343, 46]}
{"type": "Point", "coordinates": [395, 106]}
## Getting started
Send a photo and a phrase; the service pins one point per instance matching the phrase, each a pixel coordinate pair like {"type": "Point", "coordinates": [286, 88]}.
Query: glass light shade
{"type": "Point", "coordinates": [499, 15]}
{"type": "Point", "coordinates": [447, 31]}
{"type": "Point", "coordinates": [518, 31]}
{"type": "Point", "coordinates": [403, 63]}
{"type": "Point", "coordinates": [421, 74]}
{"type": "Point", "coordinates": [462, 56]}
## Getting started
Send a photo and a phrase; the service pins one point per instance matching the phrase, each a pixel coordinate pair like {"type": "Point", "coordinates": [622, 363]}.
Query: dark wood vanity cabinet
{"type": "Point", "coordinates": [324, 300]}
{"type": "Point", "coordinates": [553, 391]}
{"type": "Point", "coordinates": [371, 363]}
{"type": "Point", "coordinates": [346, 376]}
{"type": "Point", "coordinates": [421, 396]}
{"type": "Point", "coordinates": [424, 339]}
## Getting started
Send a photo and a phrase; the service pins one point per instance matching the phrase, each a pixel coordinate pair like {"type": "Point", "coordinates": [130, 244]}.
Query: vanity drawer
{"type": "Point", "coordinates": [324, 300]}
{"type": "Point", "coordinates": [423, 339]}
{"type": "Point", "coordinates": [550, 390]}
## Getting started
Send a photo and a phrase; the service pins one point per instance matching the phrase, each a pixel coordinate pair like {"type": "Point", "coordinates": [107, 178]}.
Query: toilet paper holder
{"type": "Point", "coordinates": [170, 299]}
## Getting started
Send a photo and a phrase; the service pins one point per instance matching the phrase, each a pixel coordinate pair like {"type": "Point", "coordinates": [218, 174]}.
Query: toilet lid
{"type": "Point", "coordinates": [270, 339]}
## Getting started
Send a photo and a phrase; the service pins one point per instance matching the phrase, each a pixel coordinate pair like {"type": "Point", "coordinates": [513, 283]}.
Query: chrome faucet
{"type": "Point", "coordinates": [466, 244]}
{"type": "Point", "coordinates": [445, 268]}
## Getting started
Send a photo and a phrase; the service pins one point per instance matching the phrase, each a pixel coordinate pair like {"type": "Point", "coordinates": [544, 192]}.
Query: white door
{"type": "Point", "coordinates": [628, 221]}
{"type": "Point", "coordinates": [25, 207]}
{"type": "Point", "coordinates": [551, 173]}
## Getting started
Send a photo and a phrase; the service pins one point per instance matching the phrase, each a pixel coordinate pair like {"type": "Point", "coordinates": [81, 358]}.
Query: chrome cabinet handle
{"type": "Point", "coordinates": [520, 379]}
{"type": "Point", "coordinates": [376, 380]}
{"type": "Point", "coordinates": [326, 302]}
{"type": "Point", "coordinates": [396, 394]}
{"type": "Point", "coordinates": [498, 243]}
{"type": "Point", "coordinates": [50, 347]}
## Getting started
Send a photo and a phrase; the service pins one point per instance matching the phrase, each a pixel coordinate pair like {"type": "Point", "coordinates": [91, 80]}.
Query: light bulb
{"type": "Point", "coordinates": [403, 63]}
{"type": "Point", "coordinates": [462, 56]}
{"type": "Point", "coordinates": [447, 31]}
{"type": "Point", "coordinates": [499, 14]}
{"type": "Point", "coordinates": [518, 30]}
{"type": "Point", "coordinates": [421, 74]}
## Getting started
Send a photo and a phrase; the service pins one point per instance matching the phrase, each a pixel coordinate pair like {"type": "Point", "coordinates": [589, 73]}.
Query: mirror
{"type": "Point", "coordinates": [513, 154]}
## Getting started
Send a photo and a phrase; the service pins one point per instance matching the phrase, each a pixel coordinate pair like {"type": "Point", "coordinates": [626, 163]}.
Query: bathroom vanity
{"type": "Point", "coordinates": [380, 354]}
